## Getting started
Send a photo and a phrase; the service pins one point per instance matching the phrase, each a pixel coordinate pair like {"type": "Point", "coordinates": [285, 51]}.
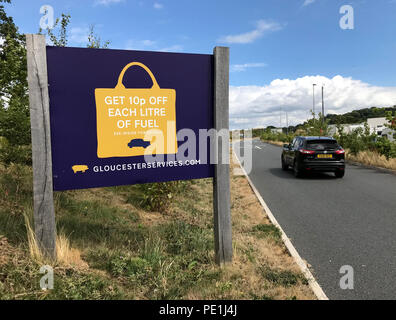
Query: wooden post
{"type": "Point", "coordinates": [221, 181]}
{"type": "Point", "coordinates": [44, 213]}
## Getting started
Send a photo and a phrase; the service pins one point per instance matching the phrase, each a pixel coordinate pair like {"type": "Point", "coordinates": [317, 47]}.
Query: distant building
{"type": "Point", "coordinates": [377, 125]}
{"type": "Point", "coordinates": [332, 129]}
{"type": "Point", "coordinates": [276, 130]}
{"type": "Point", "coordinates": [347, 128]}
{"type": "Point", "coordinates": [389, 134]}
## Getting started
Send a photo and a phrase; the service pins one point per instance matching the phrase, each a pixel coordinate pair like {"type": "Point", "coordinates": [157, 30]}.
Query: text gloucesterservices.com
{"type": "Point", "coordinates": [145, 165]}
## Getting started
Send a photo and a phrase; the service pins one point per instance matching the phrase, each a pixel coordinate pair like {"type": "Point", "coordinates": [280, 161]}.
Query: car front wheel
{"type": "Point", "coordinates": [284, 165]}
{"type": "Point", "coordinates": [296, 171]}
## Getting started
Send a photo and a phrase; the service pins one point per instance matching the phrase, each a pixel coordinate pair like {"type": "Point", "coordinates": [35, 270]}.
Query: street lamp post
{"type": "Point", "coordinates": [322, 105]}
{"type": "Point", "coordinates": [313, 99]}
{"type": "Point", "coordinates": [280, 117]}
{"type": "Point", "coordinates": [287, 124]}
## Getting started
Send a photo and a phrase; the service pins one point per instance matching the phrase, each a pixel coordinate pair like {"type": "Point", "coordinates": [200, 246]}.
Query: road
{"type": "Point", "coordinates": [334, 222]}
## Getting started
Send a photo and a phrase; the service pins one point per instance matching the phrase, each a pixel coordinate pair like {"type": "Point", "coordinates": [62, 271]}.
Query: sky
{"type": "Point", "coordinates": [278, 48]}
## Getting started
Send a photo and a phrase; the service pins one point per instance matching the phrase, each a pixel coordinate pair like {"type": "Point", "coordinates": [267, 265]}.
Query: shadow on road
{"type": "Point", "coordinates": [278, 172]}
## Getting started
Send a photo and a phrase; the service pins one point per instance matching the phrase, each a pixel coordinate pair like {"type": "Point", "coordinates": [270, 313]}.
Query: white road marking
{"type": "Point", "coordinates": [257, 147]}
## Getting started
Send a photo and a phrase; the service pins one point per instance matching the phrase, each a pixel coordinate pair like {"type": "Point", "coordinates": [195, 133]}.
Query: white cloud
{"type": "Point", "coordinates": [262, 27]}
{"type": "Point", "coordinates": [158, 6]}
{"type": "Point", "coordinates": [308, 2]}
{"type": "Point", "coordinates": [1, 41]}
{"type": "Point", "coordinates": [258, 106]}
{"type": "Point", "coordinates": [79, 35]}
{"type": "Point", "coordinates": [245, 66]}
{"type": "Point", "coordinates": [174, 48]}
{"type": "Point", "coordinates": [151, 45]}
{"type": "Point", "coordinates": [140, 44]}
{"type": "Point", "coordinates": [107, 2]}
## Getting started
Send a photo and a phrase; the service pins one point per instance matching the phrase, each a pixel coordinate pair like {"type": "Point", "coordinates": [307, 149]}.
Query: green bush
{"type": "Point", "coordinates": [12, 153]}
{"type": "Point", "coordinates": [386, 148]}
{"type": "Point", "coordinates": [158, 196]}
{"type": "Point", "coordinates": [267, 135]}
{"type": "Point", "coordinates": [125, 265]}
{"type": "Point", "coordinates": [362, 140]}
{"type": "Point", "coordinates": [354, 142]}
{"type": "Point", "coordinates": [316, 126]}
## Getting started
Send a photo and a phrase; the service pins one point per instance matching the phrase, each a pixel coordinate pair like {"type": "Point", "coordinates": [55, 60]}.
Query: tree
{"type": "Point", "coordinates": [391, 117]}
{"type": "Point", "coordinates": [316, 127]}
{"type": "Point", "coordinates": [15, 139]}
{"type": "Point", "coordinates": [14, 100]}
{"type": "Point", "coordinates": [59, 40]}
{"type": "Point", "coordinates": [359, 116]}
{"type": "Point", "coordinates": [94, 41]}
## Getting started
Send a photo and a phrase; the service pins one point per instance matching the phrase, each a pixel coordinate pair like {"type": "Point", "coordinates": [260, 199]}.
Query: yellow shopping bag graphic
{"type": "Point", "coordinates": [135, 122]}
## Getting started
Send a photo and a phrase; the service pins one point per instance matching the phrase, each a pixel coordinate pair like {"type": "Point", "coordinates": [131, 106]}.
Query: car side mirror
{"type": "Point", "coordinates": [286, 146]}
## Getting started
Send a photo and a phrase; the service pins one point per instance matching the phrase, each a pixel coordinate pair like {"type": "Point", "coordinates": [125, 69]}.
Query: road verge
{"type": "Point", "coordinates": [314, 285]}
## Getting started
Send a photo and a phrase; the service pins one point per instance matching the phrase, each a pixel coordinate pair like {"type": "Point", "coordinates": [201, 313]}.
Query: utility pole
{"type": "Point", "coordinates": [287, 124]}
{"type": "Point", "coordinates": [280, 117]}
{"type": "Point", "coordinates": [313, 99]}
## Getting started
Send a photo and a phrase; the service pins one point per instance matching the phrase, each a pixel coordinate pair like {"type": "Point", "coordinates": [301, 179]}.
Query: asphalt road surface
{"type": "Point", "coordinates": [334, 222]}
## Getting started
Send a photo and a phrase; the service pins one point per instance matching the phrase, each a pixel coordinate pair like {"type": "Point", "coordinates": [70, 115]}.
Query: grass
{"type": "Point", "coordinates": [284, 278]}
{"type": "Point", "coordinates": [110, 246]}
{"type": "Point", "coordinates": [268, 231]}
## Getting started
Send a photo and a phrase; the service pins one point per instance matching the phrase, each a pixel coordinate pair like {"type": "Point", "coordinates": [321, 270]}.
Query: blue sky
{"type": "Point", "coordinates": [269, 40]}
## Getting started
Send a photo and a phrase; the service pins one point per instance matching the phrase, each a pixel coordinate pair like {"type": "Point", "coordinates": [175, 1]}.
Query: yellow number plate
{"type": "Point", "coordinates": [327, 156]}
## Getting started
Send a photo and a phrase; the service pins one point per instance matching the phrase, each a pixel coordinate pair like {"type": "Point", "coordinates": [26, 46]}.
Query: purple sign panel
{"type": "Point", "coordinates": [122, 117]}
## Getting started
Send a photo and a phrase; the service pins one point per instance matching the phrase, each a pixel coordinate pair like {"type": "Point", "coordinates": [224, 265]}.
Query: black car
{"type": "Point", "coordinates": [135, 143]}
{"type": "Point", "coordinates": [308, 154]}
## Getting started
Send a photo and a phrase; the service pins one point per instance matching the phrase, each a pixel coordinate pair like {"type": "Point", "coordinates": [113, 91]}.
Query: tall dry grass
{"type": "Point", "coordinates": [372, 158]}
{"type": "Point", "coordinates": [66, 256]}
{"type": "Point", "coordinates": [33, 246]}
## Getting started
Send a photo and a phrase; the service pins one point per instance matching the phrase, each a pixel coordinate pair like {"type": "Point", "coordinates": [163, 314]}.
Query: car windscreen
{"type": "Point", "coordinates": [322, 145]}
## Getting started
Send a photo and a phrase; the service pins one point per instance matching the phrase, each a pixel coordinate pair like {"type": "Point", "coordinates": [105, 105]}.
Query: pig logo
{"type": "Point", "coordinates": [79, 168]}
